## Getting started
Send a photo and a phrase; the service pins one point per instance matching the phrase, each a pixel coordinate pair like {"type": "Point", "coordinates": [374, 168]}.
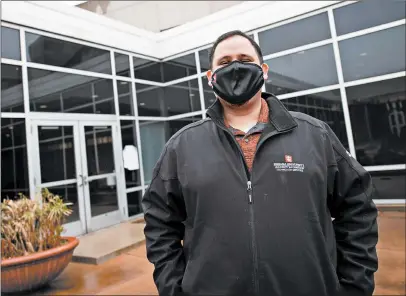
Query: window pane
{"type": "Point", "coordinates": [180, 67]}
{"type": "Point", "coordinates": [168, 101]}
{"type": "Point", "coordinates": [148, 70]}
{"type": "Point", "coordinates": [134, 203]}
{"type": "Point", "coordinates": [125, 98]}
{"type": "Point", "coordinates": [12, 99]}
{"type": "Point", "coordinates": [154, 135]}
{"type": "Point", "coordinates": [309, 30]}
{"type": "Point", "coordinates": [209, 96]}
{"type": "Point", "coordinates": [61, 53]}
{"type": "Point", "coordinates": [303, 70]}
{"type": "Point", "coordinates": [204, 59]}
{"type": "Point", "coordinates": [389, 184]}
{"type": "Point", "coordinates": [373, 54]}
{"type": "Point", "coordinates": [325, 106]}
{"type": "Point", "coordinates": [13, 158]}
{"type": "Point", "coordinates": [129, 138]}
{"type": "Point", "coordinates": [378, 119]}
{"type": "Point", "coordinates": [62, 92]}
{"type": "Point", "coordinates": [122, 64]}
{"type": "Point", "coordinates": [57, 156]}
{"type": "Point", "coordinates": [10, 44]}
{"type": "Point", "coordinates": [368, 13]}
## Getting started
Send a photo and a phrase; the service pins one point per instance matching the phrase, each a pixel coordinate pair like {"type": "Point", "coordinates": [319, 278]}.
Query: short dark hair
{"type": "Point", "coordinates": [231, 34]}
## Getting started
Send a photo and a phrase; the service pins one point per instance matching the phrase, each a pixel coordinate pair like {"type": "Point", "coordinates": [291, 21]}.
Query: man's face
{"type": "Point", "coordinates": [235, 48]}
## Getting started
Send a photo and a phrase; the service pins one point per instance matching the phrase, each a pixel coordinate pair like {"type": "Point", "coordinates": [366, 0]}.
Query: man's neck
{"type": "Point", "coordinates": [243, 117]}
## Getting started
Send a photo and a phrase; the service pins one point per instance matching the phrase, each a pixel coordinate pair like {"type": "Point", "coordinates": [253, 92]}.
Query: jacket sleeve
{"type": "Point", "coordinates": [164, 212]}
{"type": "Point", "coordinates": [355, 222]}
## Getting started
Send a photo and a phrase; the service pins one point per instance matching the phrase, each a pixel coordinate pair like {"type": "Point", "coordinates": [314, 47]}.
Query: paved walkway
{"type": "Point", "coordinates": [131, 273]}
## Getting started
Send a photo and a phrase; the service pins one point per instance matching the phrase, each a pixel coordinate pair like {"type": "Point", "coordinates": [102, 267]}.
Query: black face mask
{"type": "Point", "coordinates": [237, 82]}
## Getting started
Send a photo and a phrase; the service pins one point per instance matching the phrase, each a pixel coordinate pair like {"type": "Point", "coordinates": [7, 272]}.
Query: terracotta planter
{"type": "Point", "coordinates": [35, 270]}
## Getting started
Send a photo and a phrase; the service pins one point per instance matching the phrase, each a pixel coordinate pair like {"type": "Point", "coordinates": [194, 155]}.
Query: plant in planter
{"type": "Point", "coordinates": [33, 249]}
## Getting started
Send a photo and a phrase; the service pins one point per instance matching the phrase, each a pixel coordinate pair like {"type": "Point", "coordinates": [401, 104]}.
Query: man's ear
{"type": "Point", "coordinates": [265, 69]}
{"type": "Point", "coordinates": [209, 74]}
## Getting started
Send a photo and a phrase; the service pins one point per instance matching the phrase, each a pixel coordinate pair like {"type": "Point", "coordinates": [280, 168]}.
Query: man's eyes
{"type": "Point", "coordinates": [242, 60]}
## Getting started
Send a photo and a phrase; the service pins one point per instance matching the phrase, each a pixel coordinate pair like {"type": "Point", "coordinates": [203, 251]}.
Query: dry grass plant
{"type": "Point", "coordinates": [31, 226]}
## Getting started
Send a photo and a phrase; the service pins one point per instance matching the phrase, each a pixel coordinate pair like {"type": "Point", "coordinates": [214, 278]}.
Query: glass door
{"type": "Point", "coordinates": [100, 156]}
{"type": "Point", "coordinates": [58, 168]}
{"type": "Point", "coordinates": [78, 161]}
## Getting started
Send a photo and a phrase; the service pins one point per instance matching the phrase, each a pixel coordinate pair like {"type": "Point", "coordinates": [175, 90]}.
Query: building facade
{"type": "Point", "coordinates": [88, 103]}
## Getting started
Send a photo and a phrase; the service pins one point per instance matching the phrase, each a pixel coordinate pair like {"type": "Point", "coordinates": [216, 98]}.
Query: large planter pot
{"type": "Point", "coordinates": [36, 270]}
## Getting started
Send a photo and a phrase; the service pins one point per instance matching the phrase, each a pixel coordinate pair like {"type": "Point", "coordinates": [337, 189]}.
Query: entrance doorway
{"type": "Point", "coordinates": [79, 161]}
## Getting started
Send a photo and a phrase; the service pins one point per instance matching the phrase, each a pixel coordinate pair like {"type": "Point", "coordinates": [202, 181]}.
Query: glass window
{"type": "Point", "coordinates": [134, 203]}
{"type": "Point", "coordinates": [180, 67]}
{"type": "Point", "coordinates": [303, 70]}
{"type": "Point", "coordinates": [374, 54]}
{"type": "Point", "coordinates": [12, 98]}
{"type": "Point", "coordinates": [129, 138]}
{"type": "Point", "coordinates": [305, 31]}
{"type": "Point", "coordinates": [63, 92]}
{"type": "Point", "coordinates": [154, 135]}
{"type": "Point", "coordinates": [147, 70]}
{"type": "Point", "coordinates": [122, 64]}
{"type": "Point", "coordinates": [209, 96]}
{"type": "Point", "coordinates": [125, 98]}
{"type": "Point", "coordinates": [10, 43]}
{"type": "Point", "coordinates": [325, 106]}
{"type": "Point", "coordinates": [368, 13]}
{"type": "Point", "coordinates": [168, 101]}
{"type": "Point", "coordinates": [61, 53]}
{"type": "Point", "coordinates": [13, 158]}
{"type": "Point", "coordinates": [389, 184]}
{"type": "Point", "coordinates": [204, 59]}
{"type": "Point", "coordinates": [56, 149]}
{"type": "Point", "coordinates": [378, 119]}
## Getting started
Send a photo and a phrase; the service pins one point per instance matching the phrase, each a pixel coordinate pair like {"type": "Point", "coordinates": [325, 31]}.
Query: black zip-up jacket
{"type": "Point", "coordinates": [264, 233]}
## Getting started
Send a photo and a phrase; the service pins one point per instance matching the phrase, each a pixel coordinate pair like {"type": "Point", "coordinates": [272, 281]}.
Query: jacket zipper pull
{"type": "Point", "coordinates": [249, 189]}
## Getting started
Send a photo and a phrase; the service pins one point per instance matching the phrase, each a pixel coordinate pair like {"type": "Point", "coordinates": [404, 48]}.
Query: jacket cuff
{"type": "Point", "coordinates": [349, 291]}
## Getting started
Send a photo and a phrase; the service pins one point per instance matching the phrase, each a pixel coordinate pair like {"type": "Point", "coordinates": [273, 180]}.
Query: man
{"type": "Point", "coordinates": [252, 191]}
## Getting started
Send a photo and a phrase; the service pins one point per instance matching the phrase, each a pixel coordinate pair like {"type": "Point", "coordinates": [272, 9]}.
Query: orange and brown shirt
{"type": "Point", "coordinates": [248, 141]}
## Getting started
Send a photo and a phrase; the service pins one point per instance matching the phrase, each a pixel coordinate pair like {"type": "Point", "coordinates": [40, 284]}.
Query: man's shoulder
{"type": "Point", "coordinates": [304, 119]}
{"type": "Point", "coordinates": [196, 127]}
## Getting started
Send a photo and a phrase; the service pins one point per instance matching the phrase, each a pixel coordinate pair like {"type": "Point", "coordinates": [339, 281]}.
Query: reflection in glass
{"type": "Point", "coordinates": [14, 166]}
{"type": "Point", "coordinates": [57, 155]}
{"type": "Point", "coordinates": [204, 57]}
{"type": "Point", "coordinates": [378, 119]}
{"type": "Point", "coordinates": [389, 184]}
{"type": "Point", "coordinates": [129, 137]}
{"type": "Point", "coordinates": [99, 150]}
{"type": "Point", "coordinates": [10, 43]}
{"type": "Point", "coordinates": [325, 106]}
{"type": "Point", "coordinates": [368, 13]}
{"type": "Point", "coordinates": [374, 54]}
{"type": "Point", "coordinates": [303, 70]}
{"type": "Point", "coordinates": [69, 93]}
{"type": "Point", "coordinates": [168, 101]}
{"type": "Point", "coordinates": [122, 64]}
{"type": "Point", "coordinates": [69, 194]}
{"type": "Point", "coordinates": [305, 31]}
{"type": "Point", "coordinates": [134, 203]}
{"type": "Point", "coordinates": [61, 53]}
{"type": "Point", "coordinates": [154, 135]}
{"type": "Point", "coordinates": [12, 99]}
{"type": "Point", "coordinates": [103, 195]}
{"type": "Point", "coordinates": [125, 98]}
{"type": "Point", "coordinates": [180, 67]}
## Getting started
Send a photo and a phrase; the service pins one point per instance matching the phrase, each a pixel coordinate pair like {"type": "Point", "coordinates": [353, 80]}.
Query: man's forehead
{"type": "Point", "coordinates": [235, 45]}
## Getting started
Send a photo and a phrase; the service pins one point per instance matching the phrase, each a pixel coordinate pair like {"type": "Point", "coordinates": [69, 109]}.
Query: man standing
{"type": "Point", "coordinates": [252, 191]}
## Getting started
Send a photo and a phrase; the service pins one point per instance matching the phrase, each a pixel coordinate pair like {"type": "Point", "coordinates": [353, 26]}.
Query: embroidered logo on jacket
{"type": "Point", "coordinates": [289, 165]}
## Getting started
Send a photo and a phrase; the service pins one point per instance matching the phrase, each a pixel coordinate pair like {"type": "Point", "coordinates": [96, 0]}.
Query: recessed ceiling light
{"type": "Point", "coordinates": [142, 104]}
{"type": "Point", "coordinates": [43, 106]}
{"type": "Point", "coordinates": [123, 82]}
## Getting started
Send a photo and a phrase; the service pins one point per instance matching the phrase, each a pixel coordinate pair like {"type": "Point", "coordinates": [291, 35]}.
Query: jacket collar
{"type": "Point", "coordinates": [279, 116]}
